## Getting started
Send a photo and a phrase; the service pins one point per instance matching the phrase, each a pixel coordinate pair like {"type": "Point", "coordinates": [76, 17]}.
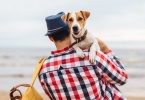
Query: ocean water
{"type": "Point", "coordinates": [28, 57]}
{"type": "Point", "coordinates": [17, 66]}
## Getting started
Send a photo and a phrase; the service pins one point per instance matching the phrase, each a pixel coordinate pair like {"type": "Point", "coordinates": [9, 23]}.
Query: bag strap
{"type": "Point", "coordinates": [37, 69]}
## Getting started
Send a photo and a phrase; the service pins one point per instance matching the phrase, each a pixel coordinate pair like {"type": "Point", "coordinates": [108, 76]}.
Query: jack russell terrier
{"type": "Point", "coordinates": [76, 22]}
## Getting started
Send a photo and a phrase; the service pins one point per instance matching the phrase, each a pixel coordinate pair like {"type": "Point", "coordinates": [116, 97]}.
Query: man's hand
{"type": "Point", "coordinates": [103, 47]}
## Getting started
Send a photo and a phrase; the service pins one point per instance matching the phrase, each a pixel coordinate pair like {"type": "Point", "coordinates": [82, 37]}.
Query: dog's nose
{"type": "Point", "coordinates": [75, 28]}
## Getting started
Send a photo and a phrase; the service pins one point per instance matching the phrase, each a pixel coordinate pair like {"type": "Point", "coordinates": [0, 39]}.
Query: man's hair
{"type": "Point", "coordinates": [60, 36]}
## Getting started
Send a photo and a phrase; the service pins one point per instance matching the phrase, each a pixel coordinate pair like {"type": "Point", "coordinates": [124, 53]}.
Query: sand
{"type": "Point", "coordinates": [5, 96]}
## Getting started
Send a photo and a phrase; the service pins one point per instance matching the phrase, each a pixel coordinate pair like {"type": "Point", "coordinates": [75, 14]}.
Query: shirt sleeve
{"type": "Point", "coordinates": [111, 68]}
{"type": "Point", "coordinates": [114, 59]}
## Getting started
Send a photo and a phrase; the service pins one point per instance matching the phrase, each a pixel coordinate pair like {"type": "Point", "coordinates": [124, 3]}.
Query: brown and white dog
{"type": "Point", "coordinates": [76, 22]}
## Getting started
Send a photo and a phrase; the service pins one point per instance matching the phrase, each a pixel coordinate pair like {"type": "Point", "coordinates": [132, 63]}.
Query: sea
{"type": "Point", "coordinates": [17, 66]}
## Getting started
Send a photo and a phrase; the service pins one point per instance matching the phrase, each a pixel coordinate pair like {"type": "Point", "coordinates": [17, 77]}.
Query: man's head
{"type": "Point", "coordinates": [58, 30]}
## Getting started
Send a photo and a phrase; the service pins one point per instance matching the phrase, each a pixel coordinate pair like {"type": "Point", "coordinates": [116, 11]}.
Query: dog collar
{"type": "Point", "coordinates": [79, 39]}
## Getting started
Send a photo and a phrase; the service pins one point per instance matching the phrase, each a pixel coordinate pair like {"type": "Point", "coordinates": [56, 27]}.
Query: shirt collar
{"type": "Point", "coordinates": [64, 50]}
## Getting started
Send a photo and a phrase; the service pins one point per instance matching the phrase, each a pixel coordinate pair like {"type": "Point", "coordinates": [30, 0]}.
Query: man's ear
{"type": "Point", "coordinates": [65, 17]}
{"type": "Point", "coordinates": [51, 38]}
{"type": "Point", "coordinates": [85, 14]}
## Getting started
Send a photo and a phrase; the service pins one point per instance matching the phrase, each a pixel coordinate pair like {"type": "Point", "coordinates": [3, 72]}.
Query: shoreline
{"type": "Point", "coordinates": [5, 96]}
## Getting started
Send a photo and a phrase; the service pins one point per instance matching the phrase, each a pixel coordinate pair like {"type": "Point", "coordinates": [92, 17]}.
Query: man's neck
{"type": "Point", "coordinates": [62, 44]}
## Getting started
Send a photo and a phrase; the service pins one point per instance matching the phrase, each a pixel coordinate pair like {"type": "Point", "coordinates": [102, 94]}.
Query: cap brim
{"type": "Point", "coordinates": [56, 31]}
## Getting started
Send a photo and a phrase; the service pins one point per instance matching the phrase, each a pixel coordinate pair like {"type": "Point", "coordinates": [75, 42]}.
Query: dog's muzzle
{"type": "Point", "coordinates": [76, 30]}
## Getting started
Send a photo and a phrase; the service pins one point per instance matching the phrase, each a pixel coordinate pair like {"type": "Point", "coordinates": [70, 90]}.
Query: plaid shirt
{"type": "Point", "coordinates": [65, 76]}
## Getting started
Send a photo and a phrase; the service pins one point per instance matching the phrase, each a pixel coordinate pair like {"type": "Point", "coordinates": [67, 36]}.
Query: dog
{"type": "Point", "coordinates": [77, 24]}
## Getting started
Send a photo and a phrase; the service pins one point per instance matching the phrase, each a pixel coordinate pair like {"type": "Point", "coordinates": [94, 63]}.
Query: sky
{"type": "Point", "coordinates": [22, 22]}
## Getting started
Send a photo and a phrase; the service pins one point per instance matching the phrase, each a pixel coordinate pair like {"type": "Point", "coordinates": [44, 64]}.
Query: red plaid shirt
{"type": "Point", "coordinates": [65, 76]}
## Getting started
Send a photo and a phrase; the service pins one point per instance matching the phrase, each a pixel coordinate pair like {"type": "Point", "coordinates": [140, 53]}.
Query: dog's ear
{"type": "Point", "coordinates": [85, 14]}
{"type": "Point", "coordinates": [65, 17]}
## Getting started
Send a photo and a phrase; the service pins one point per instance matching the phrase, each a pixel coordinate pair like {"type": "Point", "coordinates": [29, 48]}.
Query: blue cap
{"type": "Point", "coordinates": [55, 24]}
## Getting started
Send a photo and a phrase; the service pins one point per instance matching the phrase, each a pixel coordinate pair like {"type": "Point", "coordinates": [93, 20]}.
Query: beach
{"type": "Point", "coordinates": [17, 66]}
{"type": "Point", "coordinates": [5, 96]}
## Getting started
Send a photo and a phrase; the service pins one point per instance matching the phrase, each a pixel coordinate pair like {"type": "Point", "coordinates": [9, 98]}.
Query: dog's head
{"type": "Point", "coordinates": [76, 22]}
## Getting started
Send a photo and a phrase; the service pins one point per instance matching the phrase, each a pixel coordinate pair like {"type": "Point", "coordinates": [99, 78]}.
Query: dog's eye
{"type": "Point", "coordinates": [80, 18]}
{"type": "Point", "coordinates": [70, 19]}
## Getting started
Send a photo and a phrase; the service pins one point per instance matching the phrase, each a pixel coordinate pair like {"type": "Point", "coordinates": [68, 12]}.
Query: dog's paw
{"type": "Point", "coordinates": [92, 57]}
{"type": "Point", "coordinates": [80, 53]}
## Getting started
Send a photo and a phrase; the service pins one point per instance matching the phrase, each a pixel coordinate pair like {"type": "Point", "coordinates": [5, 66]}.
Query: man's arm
{"type": "Point", "coordinates": [105, 49]}
{"type": "Point", "coordinates": [43, 85]}
{"type": "Point", "coordinates": [111, 66]}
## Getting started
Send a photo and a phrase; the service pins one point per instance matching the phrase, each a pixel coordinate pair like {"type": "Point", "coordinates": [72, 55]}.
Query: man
{"type": "Point", "coordinates": [65, 76]}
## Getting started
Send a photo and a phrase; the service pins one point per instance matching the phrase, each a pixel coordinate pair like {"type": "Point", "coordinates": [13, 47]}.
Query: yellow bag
{"type": "Point", "coordinates": [31, 93]}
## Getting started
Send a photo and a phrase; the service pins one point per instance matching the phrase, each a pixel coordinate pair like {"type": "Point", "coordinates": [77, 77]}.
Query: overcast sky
{"type": "Point", "coordinates": [22, 22]}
